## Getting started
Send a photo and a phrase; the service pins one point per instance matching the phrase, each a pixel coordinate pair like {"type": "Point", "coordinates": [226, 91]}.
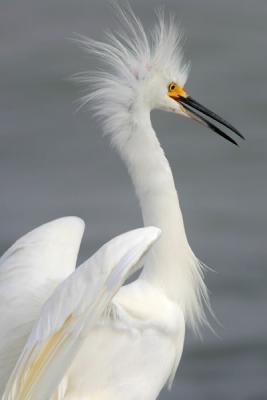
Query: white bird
{"type": "Point", "coordinates": [94, 339]}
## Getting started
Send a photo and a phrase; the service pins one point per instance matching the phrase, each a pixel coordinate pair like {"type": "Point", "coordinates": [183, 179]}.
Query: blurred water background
{"type": "Point", "coordinates": [55, 162]}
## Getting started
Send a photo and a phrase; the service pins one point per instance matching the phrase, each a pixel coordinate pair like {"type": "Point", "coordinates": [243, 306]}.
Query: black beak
{"type": "Point", "coordinates": [190, 105]}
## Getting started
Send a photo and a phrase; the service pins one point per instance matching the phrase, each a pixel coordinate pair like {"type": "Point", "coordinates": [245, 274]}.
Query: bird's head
{"type": "Point", "coordinates": [144, 72]}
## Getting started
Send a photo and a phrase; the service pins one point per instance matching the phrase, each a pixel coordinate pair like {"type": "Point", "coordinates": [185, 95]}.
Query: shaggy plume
{"type": "Point", "coordinates": [130, 57]}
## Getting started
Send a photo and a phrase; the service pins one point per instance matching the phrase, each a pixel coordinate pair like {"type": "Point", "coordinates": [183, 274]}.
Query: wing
{"type": "Point", "coordinates": [71, 311]}
{"type": "Point", "coordinates": [29, 272]}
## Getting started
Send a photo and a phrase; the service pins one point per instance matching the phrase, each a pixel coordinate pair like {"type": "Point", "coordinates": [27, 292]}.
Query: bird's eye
{"type": "Point", "coordinates": [172, 86]}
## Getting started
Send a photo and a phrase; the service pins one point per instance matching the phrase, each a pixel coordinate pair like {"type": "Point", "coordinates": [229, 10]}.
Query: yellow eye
{"type": "Point", "coordinates": [172, 86]}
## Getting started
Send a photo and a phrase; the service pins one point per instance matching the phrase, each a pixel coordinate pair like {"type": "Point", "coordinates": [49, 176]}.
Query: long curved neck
{"type": "Point", "coordinates": [168, 264]}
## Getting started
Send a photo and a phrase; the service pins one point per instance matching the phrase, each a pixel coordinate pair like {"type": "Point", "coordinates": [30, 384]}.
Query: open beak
{"type": "Point", "coordinates": [190, 106]}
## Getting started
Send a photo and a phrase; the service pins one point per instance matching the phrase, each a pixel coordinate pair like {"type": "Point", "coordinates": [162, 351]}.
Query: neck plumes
{"type": "Point", "coordinates": [171, 265]}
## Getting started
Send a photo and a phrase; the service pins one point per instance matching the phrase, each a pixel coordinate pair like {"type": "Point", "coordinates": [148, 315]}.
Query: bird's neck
{"type": "Point", "coordinates": [169, 264]}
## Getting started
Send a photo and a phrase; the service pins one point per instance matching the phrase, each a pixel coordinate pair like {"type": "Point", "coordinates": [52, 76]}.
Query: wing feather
{"type": "Point", "coordinates": [71, 312]}
{"type": "Point", "coordinates": [29, 272]}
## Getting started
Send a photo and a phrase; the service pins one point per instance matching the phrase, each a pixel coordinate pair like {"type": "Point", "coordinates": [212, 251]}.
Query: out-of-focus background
{"type": "Point", "coordinates": [55, 162]}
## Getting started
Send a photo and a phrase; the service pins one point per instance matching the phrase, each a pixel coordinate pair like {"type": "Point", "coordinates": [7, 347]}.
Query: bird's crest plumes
{"type": "Point", "coordinates": [131, 58]}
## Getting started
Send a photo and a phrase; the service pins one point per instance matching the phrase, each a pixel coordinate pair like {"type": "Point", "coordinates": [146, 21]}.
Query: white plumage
{"type": "Point", "coordinates": [29, 273]}
{"type": "Point", "coordinates": [72, 311]}
{"type": "Point", "coordinates": [94, 339]}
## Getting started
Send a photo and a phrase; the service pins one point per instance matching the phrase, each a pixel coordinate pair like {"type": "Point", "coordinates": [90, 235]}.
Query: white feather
{"type": "Point", "coordinates": [29, 272]}
{"type": "Point", "coordinates": [134, 60]}
{"type": "Point", "coordinates": [71, 312]}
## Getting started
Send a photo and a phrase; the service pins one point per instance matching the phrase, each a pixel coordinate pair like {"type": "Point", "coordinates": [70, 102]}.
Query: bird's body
{"type": "Point", "coordinates": [140, 348]}
{"type": "Point", "coordinates": [96, 339]}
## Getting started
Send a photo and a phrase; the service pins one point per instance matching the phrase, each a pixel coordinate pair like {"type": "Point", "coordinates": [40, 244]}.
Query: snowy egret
{"type": "Point", "coordinates": [95, 338]}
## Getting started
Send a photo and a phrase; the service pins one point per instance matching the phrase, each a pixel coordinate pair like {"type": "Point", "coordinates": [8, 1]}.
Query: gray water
{"type": "Point", "coordinates": [55, 162]}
